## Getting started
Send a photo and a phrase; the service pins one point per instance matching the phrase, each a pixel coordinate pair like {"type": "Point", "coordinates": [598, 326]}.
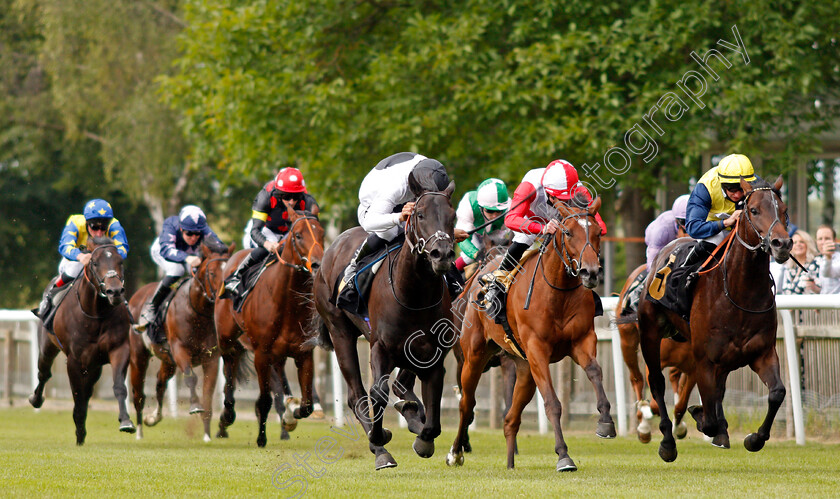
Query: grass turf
{"type": "Point", "coordinates": [38, 456]}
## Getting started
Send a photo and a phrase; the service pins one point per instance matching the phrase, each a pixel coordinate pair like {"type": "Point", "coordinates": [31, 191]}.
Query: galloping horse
{"type": "Point", "coordinates": [191, 333]}
{"type": "Point", "coordinates": [410, 321]}
{"type": "Point", "coordinates": [273, 318]}
{"type": "Point", "coordinates": [91, 327]}
{"type": "Point", "coordinates": [675, 355]}
{"type": "Point", "coordinates": [559, 322]}
{"type": "Point", "coordinates": [733, 319]}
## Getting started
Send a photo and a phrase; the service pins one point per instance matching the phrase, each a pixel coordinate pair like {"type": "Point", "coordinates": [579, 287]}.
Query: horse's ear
{"type": "Point", "coordinates": [777, 185]}
{"type": "Point", "coordinates": [595, 205]}
{"type": "Point", "coordinates": [746, 186]}
{"type": "Point", "coordinates": [205, 250]}
{"type": "Point", "coordinates": [231, 248]}
{"type": "Point", "coordinates": [292, 214]}
{"type": "Point", "coordinates": [450, 189]}
{"type": "Point", "coordinates": [415, 187]}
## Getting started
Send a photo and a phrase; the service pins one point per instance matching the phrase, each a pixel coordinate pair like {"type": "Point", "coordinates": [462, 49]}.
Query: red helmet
{"type": "Point", "coordinates": [290, 180]}
{"type": "Point", "coordinates": [560, 179]}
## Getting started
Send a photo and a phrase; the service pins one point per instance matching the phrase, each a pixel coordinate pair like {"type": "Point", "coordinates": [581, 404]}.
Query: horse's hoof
{"type": "Point", "coordinates": [467, 447]}
{"type": "Point", "coordinates": [423, 448]}
{"type": "Point", "coordinates": [668, 455]}
{"type": "Point", "coordinates": [222, 433]}
{"type": "Point", "coordinates": [644, 408]}
{"type": "Point", "coordinates": [289, 421]}
{"type": "Point", "coordinates": [207, 438]}
{"type": "Point", "coordinates": [721, 441]}
{"type": "Point", "coordinates": [386, 437]}
{"type": "Point", "coordinates": [644, 437]}
{"type": "Point", "coordinates": [196, 409]}
{"type": "Point", "coordinates": [317, 414]}
{"type": "Point", "coordinates": [605, 430]}
{"type": "Point", "coordinates": [289, 425]}
{"type": "Point", "coordinates": [754, 442]}
{"type": "Point", "coordinates": [152, 419]}
{"type": "Point", "coordinates": [385, 460]}
{"type": "Point", "coordinates": [566, 464]}
{"type": "Point", "coordinates": [696, 412]}
{"type": "Point", "coordinates": [403, 405]}
{"type": "Point", "coordinates": [261, 440]}
{"type": "Point", "coordinates": [680, 430]}
{"type": "Point", "coordinates": [36, 401]}
{"type": "Point", "coordinates": [284, 435]}
{"type": "Point", "coordinates": [128, 427]}
{"type": "Point", "coordinates": [454, 458]}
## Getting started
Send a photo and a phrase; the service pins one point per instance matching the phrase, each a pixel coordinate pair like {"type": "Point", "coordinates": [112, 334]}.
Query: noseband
{"type": "Point", "coordinates": [411, 230]}
{"type": "Point", "coordinates": [572, 265]}
{"type": "Point", "coordinates": [764, 241]}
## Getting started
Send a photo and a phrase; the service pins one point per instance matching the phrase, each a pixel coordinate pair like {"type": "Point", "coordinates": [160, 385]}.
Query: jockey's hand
{"type": "Point", "coordinates": [460, 235]}
{"type": "Point", "coordinates": [406, 211]}
{"type": "Point", "coordinates": [733, 218]}
{"type": "Point", "coordinates": [271, 246]}
{"type": "Point", "coordinates": [84, 258]}
{"type": "Point", "coordinates": [551, 227]}
{"type": "Point", "coordinates": [193, 261]}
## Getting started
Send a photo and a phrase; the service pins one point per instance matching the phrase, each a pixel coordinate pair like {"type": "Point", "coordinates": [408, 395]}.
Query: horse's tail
{"type": "Point", "coordinates": [318, 333]}
{"type": "Point", "coordinates": [630, 318]}
{"type": "Point", "coordinates": [244, 369]}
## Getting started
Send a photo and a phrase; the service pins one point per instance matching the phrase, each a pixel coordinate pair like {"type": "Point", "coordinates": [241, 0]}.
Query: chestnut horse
{"type": "Point", "coordinates": [733, 319]}
{"type": "Point", "coordinates": [410, 323]}
{"type": "Point", "coordinates": [273, 317]}
{"type": "Point", "coordinates": [675, 355]}
{"type": "Point", "coordinates": [91, 327]}
{"type": "Point", "coordinates": [560, 322]}
{"type": "Point", "coordinates": [191, 333]}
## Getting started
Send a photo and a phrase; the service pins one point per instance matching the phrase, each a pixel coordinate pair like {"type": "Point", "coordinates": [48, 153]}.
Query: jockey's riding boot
{"type": "Point", "coordinates": [454, 282]}
{"type": "Point", "coordinates": [150, 313]}
{"type": "Point", "coordinates": [232, 281]}
{"type": "Point", "coordinates": [46, 305]}
{"type": "Point", "coordinates": [372, 244]}
{"type": "Point", "coordinates": [631, 302]}
{"type": "Point", "coordinates": [498, 283]}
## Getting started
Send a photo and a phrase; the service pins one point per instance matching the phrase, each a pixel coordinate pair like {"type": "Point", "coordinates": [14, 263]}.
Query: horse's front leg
{"type": "Point", "coordinates": [278, 391]}
{"type": "Point", "coordinates": [706, 415]}
{"type": "Point", "coordinates": [183, 359]}
{"type": "Point", "coordinates": [767, 368]}
{"type": "Point", "coordinates": [538, 360]}
{"type": "Point", "coordinates": [305, 364]}
{"type": "Point", "coordinates": [166, 371]}
{"type": "Point", "coordinates": [119, 359]}
{"type": "Point", "coordinates": [380, 366]}
{"type": "Point", "coordinates": [210, 370]}
{"type": "Point", "coordinates": [231, 359]}
{"type": "Point", "coordinates": [48, 351]}
{"type": "Point", "coordinates": [139, 361]}
{"type": "Point", "coordinates": [263, 364]}
{"type": "Point", "coordinates": [688, 383]}
{"type": "Point", "coordinates": [424, 444]}
{"type": "Point", "coordinates": [523, 392]}
{"type": "Point", "coordinates": [408, 404]}
{"type": "Point", "coordinates": [630, 352]}
{"type": "Point", "coordinates": [650, 341]}
{"type": "Point", "coordinates": [583, 352]}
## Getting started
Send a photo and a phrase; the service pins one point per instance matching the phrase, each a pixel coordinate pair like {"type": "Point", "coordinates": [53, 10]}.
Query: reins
{"type": "Point", "coordinates": [98, 290]}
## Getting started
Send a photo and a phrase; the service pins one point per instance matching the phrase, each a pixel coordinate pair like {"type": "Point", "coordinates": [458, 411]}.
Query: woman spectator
{"type": "Point", "coordinates": [829, 261]}
{"type": "Point", "coordinates": [796, 281]}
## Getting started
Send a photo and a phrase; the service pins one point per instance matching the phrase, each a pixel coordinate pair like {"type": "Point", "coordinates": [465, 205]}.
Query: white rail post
{"type": "Point", "coordinates": [338, 391]}
{"type": "Point", "coordinates": [542, 419]}
{"type": "Point", "coordinates": [172, 390]}
{"type": "Point", "coordinates": [620, 386]}
{"type": "Point", "coordinates": [34, 352]}
{"type": "Point", "coordinates": [793, 376]}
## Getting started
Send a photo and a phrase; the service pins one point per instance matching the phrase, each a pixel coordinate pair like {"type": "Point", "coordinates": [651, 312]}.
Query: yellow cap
{"type": "Point", "coordinates": [735, 166]}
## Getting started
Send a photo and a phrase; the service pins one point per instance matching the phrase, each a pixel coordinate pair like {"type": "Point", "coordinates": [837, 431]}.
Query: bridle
{"type": "Point", "coordinates": [99, 285]}
{"type": "Point", "coordinates": [419, 248]}
{"type": "Point", "coordinates": [571, 264]}
{"type": "Point", "coordinates": [764, 241]}
{"type": "Point", "coordinates": [203, 284]}
{"type": "Point", "coordinates": [306, 261]}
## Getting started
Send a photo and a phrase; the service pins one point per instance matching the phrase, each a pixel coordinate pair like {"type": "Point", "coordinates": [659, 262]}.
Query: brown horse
{"type": "Point", "coordinates": [273, 317]}
{"type": "Point", "coordinates": [410, 323]}
{"type": "Point", "coordinates": [675, 355]}
{"type": "Point", "coordinates": [733, 319]}
{"type": "Point", "coordinates": [558, 323]}
{"type": "Point", "coordinates": [91, 328]}
{"type": "Point", "coordinates": [191, 334]}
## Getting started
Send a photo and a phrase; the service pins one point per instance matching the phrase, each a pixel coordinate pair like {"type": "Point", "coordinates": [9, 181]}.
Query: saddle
{"type": "Point", "coordinates": [54, 302]}
{"type": "Point", "coordinates": [672, 285]}
{"type": "Point", "coordinates": [354, 298]}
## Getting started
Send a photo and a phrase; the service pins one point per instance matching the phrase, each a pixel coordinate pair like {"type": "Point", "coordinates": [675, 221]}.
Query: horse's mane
{"type": "Point", "coordinates": [579, 201]}
{"type": "Point", "coordinates": [101, 240]}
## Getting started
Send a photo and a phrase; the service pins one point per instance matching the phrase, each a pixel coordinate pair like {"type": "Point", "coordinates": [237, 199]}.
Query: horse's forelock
{"type": "Point", "coordinates": [579, 201]}
{"type": "Point", "coordinates": [760, 183]}
{"type": "Point", "coordinates": [101, 240]}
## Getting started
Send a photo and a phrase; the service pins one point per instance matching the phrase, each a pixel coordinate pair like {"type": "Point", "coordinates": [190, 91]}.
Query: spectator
{"type": "Point", "coordinates": [796, 281]}
{"type": "Point", "coordinates": [829, 261]}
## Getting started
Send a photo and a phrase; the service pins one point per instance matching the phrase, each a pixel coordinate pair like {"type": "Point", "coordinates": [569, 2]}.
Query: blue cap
{"type": "Point", "coordinates": [98, 208]}
{"type": "Point", "coordinates": [192, 218]}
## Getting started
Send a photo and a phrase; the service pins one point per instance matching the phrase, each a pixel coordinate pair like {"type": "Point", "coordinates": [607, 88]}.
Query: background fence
{"type": "Point", "coordinates": [814, 348]}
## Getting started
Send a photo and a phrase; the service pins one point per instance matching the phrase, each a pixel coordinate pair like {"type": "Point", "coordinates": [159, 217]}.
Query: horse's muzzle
{"type": "Point", "coordinates": [115, 295]}
{"type": "Point", "coordinates": [589, 277]}
{"type": "Point", "coordinates": [441, 259]}
{"type": "Point", "coordinates": [780, 248]}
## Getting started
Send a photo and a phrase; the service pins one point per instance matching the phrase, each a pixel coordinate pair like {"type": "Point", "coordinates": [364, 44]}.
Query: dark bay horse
{"type": "Point", "coordinates": [191, 335]}
{"type": "Point", "coordinates": [410, 323]}
{"type": "Point", "coordinates": [273, 317]}
{"type": "Point", "coordinates": [91, 328]}
{"type": "Point", "coordinates": [558, 323]}
{"type": "Point", "coordinates": [733, 319]}
{"type": "Point", "coordinates": [675, 355]}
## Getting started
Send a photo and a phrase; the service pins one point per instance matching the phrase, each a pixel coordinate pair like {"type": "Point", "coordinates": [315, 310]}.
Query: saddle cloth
{"type": "Point", "coordinates": [354, 298]}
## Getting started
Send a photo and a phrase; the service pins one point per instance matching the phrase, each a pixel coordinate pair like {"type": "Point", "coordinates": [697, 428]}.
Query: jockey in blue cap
{"type": "Point", "coordinates": [176, 250]}
{"type": "Point", "coordinates": [97, 220]}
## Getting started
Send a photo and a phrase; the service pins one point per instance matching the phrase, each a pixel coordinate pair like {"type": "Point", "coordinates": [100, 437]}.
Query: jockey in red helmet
{"type": "Point", "coordinates": [269, 218]}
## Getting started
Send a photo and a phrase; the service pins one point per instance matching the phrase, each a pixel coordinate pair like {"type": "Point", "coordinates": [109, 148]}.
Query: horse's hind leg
{"type": "Point", "coordinates": [523, 392]}
{"type": "Point", "coordinates": [508, 367]}
{"type": "Point", "coordinates": [630, 352]}
{"type": "Point", "coordinates": [139, 365]}
{"type": "Point", "coordinates": [584, 354]}
{"type": "Point", "coordinates": [767, 368]}
{"type": "Point", "coordinates": [688, 383]}
{"type": "Point", "coordinates": [210, 371]}
{"type": "Point", "coordinates": [47, 354]}
{"type": "Point", "coordinates": [381, 366]}
{"type": "Point", "coordinates": [231, 361]}
{"type": "Point", "coordinates": [408, 404]}
{"type": "Point", "coordinates": [476, 356]}
{"type": "Point", "coordinates": [119, 359]}
{"type": "Point", "coordinates": [263, 364]}
{"type": "Point", "coordinates": [166, 371]}
{"type": "Point", "coordinates": [650, 342]}
{"type": "Point", "coordinates": [183, 359]}
{"type": "Point", "coordinates": [279, 383]}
